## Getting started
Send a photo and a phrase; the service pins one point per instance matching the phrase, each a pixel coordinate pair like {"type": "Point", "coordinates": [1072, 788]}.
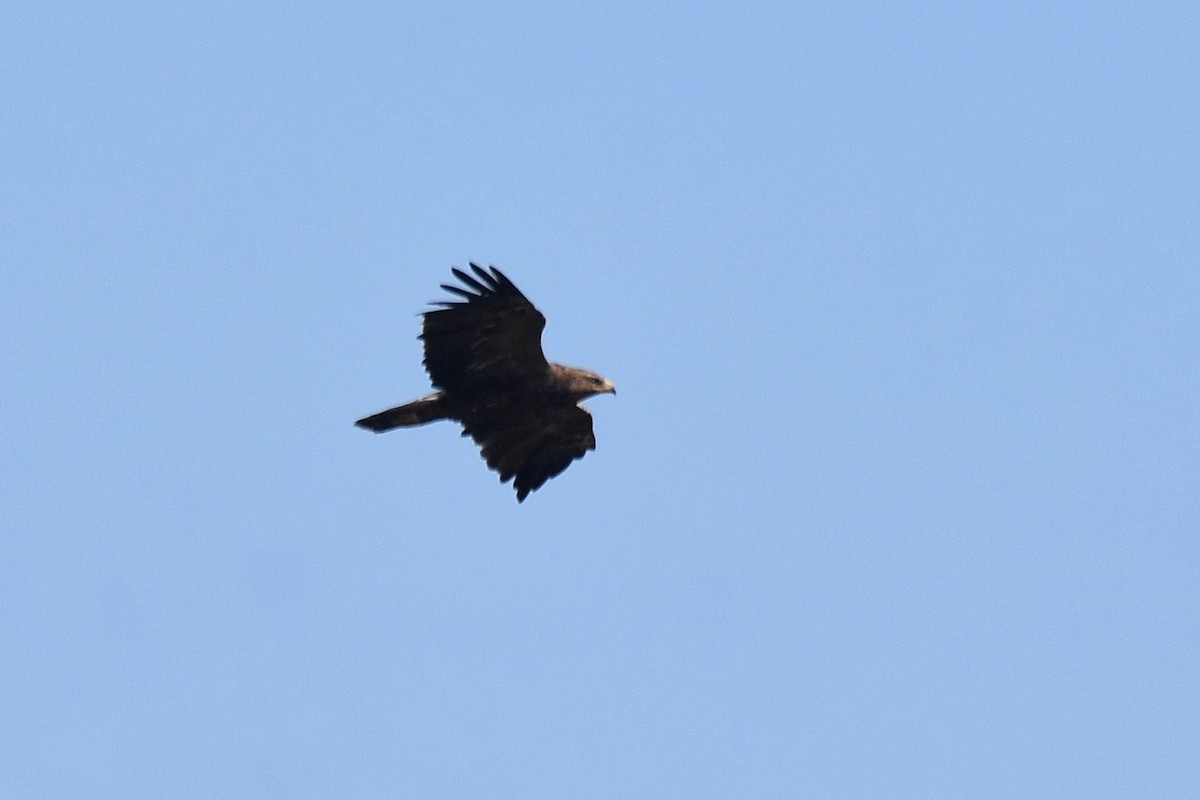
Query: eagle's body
{"type": "Point", "coordinates": [484, 356]}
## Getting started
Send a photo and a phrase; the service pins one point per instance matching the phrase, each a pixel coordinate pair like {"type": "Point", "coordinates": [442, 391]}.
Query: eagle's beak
{"type": "Point", "coordinates": [609, 388]}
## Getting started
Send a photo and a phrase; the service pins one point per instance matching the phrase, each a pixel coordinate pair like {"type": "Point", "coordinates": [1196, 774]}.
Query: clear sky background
{"type": "Point", "coordinates": [900, 496]}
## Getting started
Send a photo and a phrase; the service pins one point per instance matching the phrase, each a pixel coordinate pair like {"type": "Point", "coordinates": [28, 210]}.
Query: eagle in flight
{"type": "Point", "coordinates": [484, 357]}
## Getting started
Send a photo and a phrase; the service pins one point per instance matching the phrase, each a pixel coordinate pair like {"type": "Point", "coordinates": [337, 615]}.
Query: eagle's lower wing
{"type": "Point", "coordinates": [533, 445]}
{"type": "Point", "coordinates": [492, 337]}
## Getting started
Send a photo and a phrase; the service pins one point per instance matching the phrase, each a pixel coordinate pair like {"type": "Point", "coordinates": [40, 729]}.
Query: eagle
{"type": "Point", "coordinates": [484, 357]}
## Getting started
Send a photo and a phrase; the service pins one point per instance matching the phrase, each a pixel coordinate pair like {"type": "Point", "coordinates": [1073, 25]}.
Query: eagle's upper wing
{"type": "Point", "coordinates": [494, 335]}
{"type": "Point", "coordinates": [534, 444]}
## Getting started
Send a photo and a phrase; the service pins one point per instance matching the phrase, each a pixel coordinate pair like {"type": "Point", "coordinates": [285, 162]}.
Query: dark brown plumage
{"type": "Point", "coordinates": [484, 356]}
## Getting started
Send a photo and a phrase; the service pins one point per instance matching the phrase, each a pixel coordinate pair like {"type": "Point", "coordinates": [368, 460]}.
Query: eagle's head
{"type": "Point", "coordinates": [581, 383]}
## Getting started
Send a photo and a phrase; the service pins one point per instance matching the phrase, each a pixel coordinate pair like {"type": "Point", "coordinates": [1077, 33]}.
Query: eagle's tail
{"type": "Point", "coordinates": [418, 412]}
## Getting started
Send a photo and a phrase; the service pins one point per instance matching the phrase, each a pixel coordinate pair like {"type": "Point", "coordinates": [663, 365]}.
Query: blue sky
{"type": "Point", "coordinates": [899, 497]}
